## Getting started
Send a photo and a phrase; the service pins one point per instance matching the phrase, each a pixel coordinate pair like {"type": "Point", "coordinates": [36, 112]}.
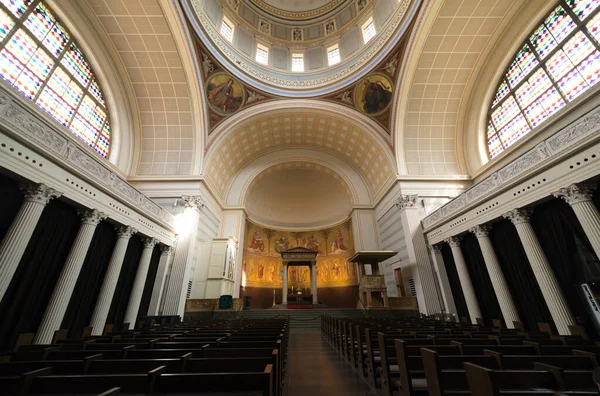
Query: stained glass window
{"type": "Point", "coordinates": [40, 59]}
{"type": "Point", "coordinates": [558, 62]}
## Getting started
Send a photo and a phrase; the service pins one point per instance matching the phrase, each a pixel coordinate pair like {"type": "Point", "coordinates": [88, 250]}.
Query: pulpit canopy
{"type": "Point", "coordinates": [371, 256]}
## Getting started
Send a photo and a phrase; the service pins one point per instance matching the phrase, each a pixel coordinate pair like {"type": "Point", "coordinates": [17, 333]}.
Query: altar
{"type": "Point", "coordinates": [299, 256]}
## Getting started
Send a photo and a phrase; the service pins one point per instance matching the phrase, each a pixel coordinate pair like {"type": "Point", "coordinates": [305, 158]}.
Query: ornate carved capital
{"type": "Point", "coordinates": [480, 231]}
{"type": "Point", "coordinates": [453, 241]}
{"type": "Point", "coordinates": [167, 250]}
{"type": "Point", "coordinates": [41, 193]}
{"type": "Point", "coordinates": [149, 242]}
{"type": "Point", "coordinates": [435, 248]}
{"type": "Point", "coordinates": [575, 193]}
{"type": "Point", "coordinates": [193, 202]}
{"type": "Point", "coordinates": [518, 216]}
{"type": "Point", "coordinates": [91, 216]}
{"type": "Point", "coordinates": [125, 231]}
{"type": "Point", "coordinates": [407, 201]}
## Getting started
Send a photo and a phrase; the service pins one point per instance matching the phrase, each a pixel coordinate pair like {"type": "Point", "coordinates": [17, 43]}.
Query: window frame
{"type": "Point", "coordinates": [542, 64]}
{"type": "Point", "coordinates": [369, 20]}
{"type": "Point", "coordinates": [226, 21]}
{"type": "Point", "coordinates": [297, 54]}
{"type": "Point", "coordinates": [331, 48]}
{"type": "Point", "coordinates": [265, 48]}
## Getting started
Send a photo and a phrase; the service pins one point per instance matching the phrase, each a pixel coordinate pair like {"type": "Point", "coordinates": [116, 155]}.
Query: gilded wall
{"type": "Point", "coordinates": [261, 263]}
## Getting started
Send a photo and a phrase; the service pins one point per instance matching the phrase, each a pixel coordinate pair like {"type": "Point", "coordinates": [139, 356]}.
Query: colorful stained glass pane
{"type": "Point", "coordinates": [17, 7]}
{"type": "Point", "coordinates": [75, 63]}
{"type": "Point", "coordinates": [21, 45]}
{"type": "Point", "coordinates": [56, 40]}
{"type": "Point", "coordinates": [40, 21]}
{"type": "Point", "coordinates": [515, 130]}
{"type": "Point", "coordinates": [560, 24]}
{"type": "Point", "coordinates": [51, 102]}
{"type": "Point", "coordinates": [514, 74]}
{"type": "Point", "coordinates": [590, 68]}
{"type": "Point", "coordinates": [73, 95]}
{"type": "Point", "coordinates": [86, 110]}
{"type": "Point", "coordinates": [494, 146]}
{"type": "Point", "coordinates": [490, 129]}
{"type": "Point", "coordinates": [527, 61]}
{"type": "Point", "coordinates": [593, 27]}
{"type": "Point", "coordinates": [536, 114]}
{"type": "Point", "coordinates": [572, 85]}
{"type": "Point", "coordinates": [540, 82]}
{"type": "Point", "coordinates": [578, 47]}
{"type": "Point", "coordinates": [83, 130]}
{"type": "Point", "coordinates": [28, 83]}
{"type": "Point", "coordinates": [40, 63]}
{"type": "Point", "coordinates": [552, 101]}
{"type": "Point", "coordinates": [6, 23]}
{"type": "Point", "coordinates": [104, 141]}
{"type": "Point", "coordinates": [583, 8]}
{"type": "Point", "coordinates": [559, 65]}
{"type": "Point", "coordinates": [505, 113]}
{"type": "Point", "coordinates": [94, 90]}
{"type": "Point", "coordinates": [98, 117]}
{"type": "Point", "coordinates": [10, 66]}
{"type": "Point", "coordinates": [525, 94]}
{"type": "Point", "coordinates": [59, 81]}
{"type": "Point", "coordinates": [542, 41]}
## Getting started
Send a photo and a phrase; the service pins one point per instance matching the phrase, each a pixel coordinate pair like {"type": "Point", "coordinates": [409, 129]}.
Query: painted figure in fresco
{"type": "Point", "coordinates": [293, 273]}
{"type": "Point", "coordinates": [282, 244]}
{"type": "Point", "coordinates": [337, 246]}
{"type": "Point", "coordinates": [271, 272]}
{"type": "Point", "coordinates": [336, 271]}
{"type": "Point", "coordinates": [257, 243]}
{"type": "Point", "coordinates": [313, 243]}
{"type": "Point", "coordinates": [305, 274]}
{"type": "Point", "coordinates": [261, 270]}
{"type": "Point", "coordinates": [222, 95]}
{"type": "Point", "coordinates": [323, 272]}
{"type": "Point", "coordinates": [376, 96]}
{"type": "Point", "coordinates": [250, 270]}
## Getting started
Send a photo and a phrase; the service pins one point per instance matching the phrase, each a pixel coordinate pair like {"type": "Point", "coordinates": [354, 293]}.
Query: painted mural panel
{"type": "Point", "coordinates": [262, 266]}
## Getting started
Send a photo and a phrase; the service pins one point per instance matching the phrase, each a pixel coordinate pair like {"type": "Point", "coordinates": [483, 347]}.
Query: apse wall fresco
{"type": "Point", "coordinates": [261, 262]}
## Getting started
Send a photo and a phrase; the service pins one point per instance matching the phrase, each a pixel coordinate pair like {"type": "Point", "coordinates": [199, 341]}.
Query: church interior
{"type": "Point", "coordinates": [291, 197]}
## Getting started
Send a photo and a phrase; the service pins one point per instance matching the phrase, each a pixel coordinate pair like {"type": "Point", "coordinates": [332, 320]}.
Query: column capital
{"type": "Point", "coordinates": [575, 193]}
{"type": "Point", "coordinates": [518, 216]}
{"type": "Point", "coordinates": [435, 248]}
{"type": "Point", "coordinates": [193, 202]}
{"type": "Point", "coordinates": [91, 216]}
{"type": "Point", "coordinates": [149, 242]}
{"type": "Point", "coordinates": [453, 241]}
{"type": "Point", "coordinates": [407, 201]}
{"type": "Point", "coordinates": [125, 231]}
{"type": "Point", "coordinates": [41, 193]}
{"type": "Point", "coordinates": [481, 231]}
{"type": "Point", "coordinates": [167, 250]}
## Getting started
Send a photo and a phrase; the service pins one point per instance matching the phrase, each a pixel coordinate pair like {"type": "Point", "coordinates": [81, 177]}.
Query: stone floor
{"type": "Point", "coordinates": [315, 369]}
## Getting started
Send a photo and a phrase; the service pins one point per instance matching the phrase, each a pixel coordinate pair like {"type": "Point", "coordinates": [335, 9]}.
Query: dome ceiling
{"type": "Point", "coordinates": [298, 6]}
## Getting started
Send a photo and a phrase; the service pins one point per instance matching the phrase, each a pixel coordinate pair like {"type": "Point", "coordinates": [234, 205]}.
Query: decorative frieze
{"type": "Point", "coordinates": [193, 202]}
{"type": "Point", "coordinates": [407, 201]}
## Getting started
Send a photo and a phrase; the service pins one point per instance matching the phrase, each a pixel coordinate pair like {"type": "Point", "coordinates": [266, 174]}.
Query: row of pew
{"type": "Point", "coordinates": [411, 356]}
{"type": "Point", "coordinates": [238, 357]}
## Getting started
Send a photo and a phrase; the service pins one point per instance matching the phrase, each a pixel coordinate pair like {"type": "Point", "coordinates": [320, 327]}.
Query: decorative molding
{"type": "Point", "coordinates": [407, 201]}
{"type": "Point", "coordinates": [167, 250]}
{"type": "Point", "coordinates": [24, 124]}
{"type": "Point", "coordinates": [453, 241]}
{"type": "Point", "coordinates": [149, 243]}
{"type": "Point", "coordinates": [92, 216]}
{"type": "Point", "coordinates": [125, 231]}
{"type": "Point", "coordinates": [40, 193]}
{"type": "Point", "coordinates": [193, 202]}
{"type": "Point", "coordinates": [481, 231]}
{"type": "Point", "coordinates": [561, 141]}
{"type": "Point", "coordinates": [575, 193]}
{"type": "Point", "coordinates": [254, 97]}
{"type": "Point", "coordinates": [435, 248]}
{"type": "Point", "coordinates": [296, 14]}
{"type": "Point", "coordinates": [518, 216]}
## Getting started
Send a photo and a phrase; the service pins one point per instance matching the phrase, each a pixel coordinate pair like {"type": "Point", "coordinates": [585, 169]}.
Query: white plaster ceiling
{"type": "Point", "coordinates": [296, 196]}
{"type": "Point", "coordinates": [446, 48]}
{"type": "Point", "coordinates": [297, 5]}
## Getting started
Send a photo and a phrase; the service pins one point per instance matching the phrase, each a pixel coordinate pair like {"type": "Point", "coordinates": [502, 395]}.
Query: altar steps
{"type": "Point", "coordinates": [302, 318]}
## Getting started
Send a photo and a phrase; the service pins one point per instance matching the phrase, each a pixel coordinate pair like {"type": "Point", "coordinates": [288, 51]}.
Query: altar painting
{"type": "Point", "coordinates": [262, 265]}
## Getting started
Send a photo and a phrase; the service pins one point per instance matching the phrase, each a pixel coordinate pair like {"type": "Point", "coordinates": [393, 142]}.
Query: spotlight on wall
{"type": "Point", "coordinates": [183, 223]}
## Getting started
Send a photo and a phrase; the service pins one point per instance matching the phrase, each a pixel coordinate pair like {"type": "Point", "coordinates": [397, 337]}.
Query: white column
{"type": "Point", "coordinates": [579, 196]}
{"type": "Point", "coordinates": [465, 279]}
{"type": "Point", "coordinates": [284, 289]}
{"type": "Point", "coordinates": [503, 294]}
{"type": "Point", "coordinates": [135, 297]}
{"type": "Point", "coordinates": [159, 282]}
{"type": "Point", "coordinates": [417, 253]}
{"type": "Point", "coordinates": [446, 290]}
{"type": "Point", "coordinates": [557, 305]}
{"type": "Point", "coordinates": [111, 278]}
{"type": "Point", "coordinates": [183, 260]}
{"type": "Point", "coordinates": [313, 282]}
{"type": "Point", "coordinates": [18, 235]}
{"type": "Point", "coordinates": [57, 306]}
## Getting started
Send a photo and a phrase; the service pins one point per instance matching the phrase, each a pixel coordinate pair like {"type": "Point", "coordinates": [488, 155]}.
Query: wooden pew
{"type": "Point", "coordinates": [486, 382]}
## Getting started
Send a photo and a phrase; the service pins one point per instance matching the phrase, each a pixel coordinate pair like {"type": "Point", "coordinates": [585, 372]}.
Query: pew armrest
{"type": "Point", "coordinates": [557, 372]}
{"type": "Point", "coordinates": [112, 391]}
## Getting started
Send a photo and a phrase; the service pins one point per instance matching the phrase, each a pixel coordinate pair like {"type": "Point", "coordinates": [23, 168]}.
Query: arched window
{"type": "Point", "coordinates": [558, 62]}
{"type": "Point", "coordinates": [39, 57]}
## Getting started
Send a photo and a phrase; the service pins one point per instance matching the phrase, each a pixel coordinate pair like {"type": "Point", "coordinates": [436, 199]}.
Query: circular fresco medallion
{"type": "Point", "coordinates": [224, 93]}
{"type": "Point", "coordinates": [373, 94]}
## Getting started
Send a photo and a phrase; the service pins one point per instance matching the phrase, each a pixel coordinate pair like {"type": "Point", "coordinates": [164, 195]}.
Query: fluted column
{"type": "Point", "coordinates": [183, 259]}
{"type": "Point", "coordinates": [59, 301]}
{"type": "Point", "coordinates": [446, 290]}
{"type": "Point", "coordinates": [313, 282]}
{"type": "Point", "coordinates": [135, 297]}
{"type": "Point", "coordinates": [465, 279]}
{"type": "Point", "coordinates": [18, 235]}
{"type": "Point", "coordinates": [557, 305]}
{"type": "Point", "coordinates": [159, 282]}
{"type": "Point", "coordinates": [284, 288]}
{"type": "Point", "coordinates": [418, 254]}
{"type": "Point", "coordinates": [124, 234]}
{"type": "Point", "coordinates": [579, 196]}
{"type": "Point", "coordinates": [503, 294]}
